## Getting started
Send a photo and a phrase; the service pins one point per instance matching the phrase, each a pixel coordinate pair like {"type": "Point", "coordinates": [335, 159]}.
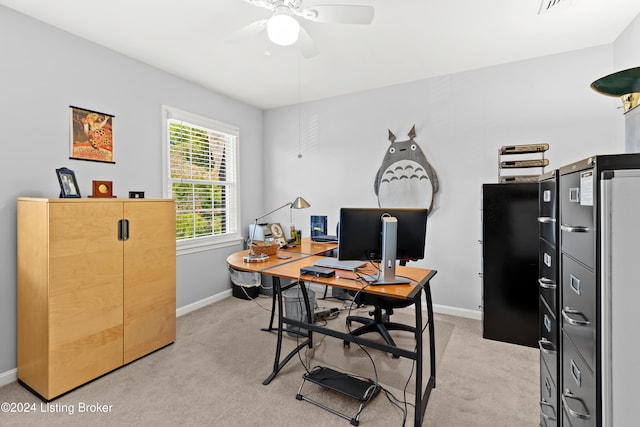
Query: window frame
{"type": "Point", "coordinates": [198, 244]}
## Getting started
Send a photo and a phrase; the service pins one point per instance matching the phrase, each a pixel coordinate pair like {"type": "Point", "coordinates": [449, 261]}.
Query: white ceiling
{"type": "Point", "coordinates": [408, 40]}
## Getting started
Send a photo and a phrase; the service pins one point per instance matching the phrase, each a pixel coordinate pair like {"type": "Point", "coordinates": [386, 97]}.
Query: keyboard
{"type": "Point", "coordinates": [324, 238]}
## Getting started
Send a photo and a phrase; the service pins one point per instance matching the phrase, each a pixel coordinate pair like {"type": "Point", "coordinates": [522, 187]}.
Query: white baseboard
{"type": "Point", "coordinates": [202, 303]}
{"type": "Point", "coordinates": [455, 311]}
{"type": "Point", "coordinates": [440, 309]}
{"type": "Point", "coordinates": [8, 377]}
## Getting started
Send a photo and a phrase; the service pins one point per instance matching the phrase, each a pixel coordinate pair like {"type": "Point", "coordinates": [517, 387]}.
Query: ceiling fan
{"type": "Point", "coordinates": [284, 29]}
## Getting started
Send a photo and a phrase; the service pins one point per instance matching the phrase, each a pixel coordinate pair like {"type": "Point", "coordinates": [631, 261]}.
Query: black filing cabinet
{"type": "Point", "coordinates": [578, 295]}
{"type": "Point", "coordinates": [510, 262]}
{"type": "Point", "coordinates": [549, 326]}
{"type": "Point", "coordinates": [598, 288]}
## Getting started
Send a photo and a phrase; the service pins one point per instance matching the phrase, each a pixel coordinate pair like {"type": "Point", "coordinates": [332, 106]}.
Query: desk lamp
{"type": "Point", "coordinates": [298, 203]}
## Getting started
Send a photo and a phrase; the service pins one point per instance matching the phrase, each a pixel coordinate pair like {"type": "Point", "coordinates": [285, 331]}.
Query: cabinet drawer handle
{"type": "Point", "coordinates": [546, 220]}
{"type": "Point", "coordinates": [566, 398]}
{"type": "Point", "coordinates": [546, 283]}
{"type": "Point", "coordinates": [546, 346]}
{"type": "Point", "coordinates": [567, 314]}
{"type": "Point", "coordinates": [550, 417]}
{"type": "Point", "coordinates": [574, 228]}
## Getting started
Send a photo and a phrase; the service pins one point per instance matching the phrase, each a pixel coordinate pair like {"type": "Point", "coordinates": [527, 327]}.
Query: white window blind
{"type": "Point", "coordinates": [202, 177]}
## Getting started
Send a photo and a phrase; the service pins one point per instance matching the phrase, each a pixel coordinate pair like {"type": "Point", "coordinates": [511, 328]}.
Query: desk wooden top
{"type": "Point", "coordinates": [309, 247]}
{"type": "Point", "coordinates": [305, 249]}
{"type": "Point", "coordinates": [290, 269]}
{"type": "Point", "coordinates": [348, 280]}
{"type": "Point", "coordinates": [236, 260]}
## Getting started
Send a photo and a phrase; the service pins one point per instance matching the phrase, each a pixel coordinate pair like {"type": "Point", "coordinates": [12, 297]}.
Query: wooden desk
{"type": "Point", "coordinates": [309, 247]}
{"type": "Point", "coordinates": [290, 269]}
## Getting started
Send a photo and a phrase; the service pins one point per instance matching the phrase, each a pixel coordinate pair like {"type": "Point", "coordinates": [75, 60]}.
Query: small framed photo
{"type": "Point", "coordinates": [68, 184]}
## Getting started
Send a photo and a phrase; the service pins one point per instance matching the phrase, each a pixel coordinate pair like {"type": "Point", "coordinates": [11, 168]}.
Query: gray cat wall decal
{"type": "Point", "coordinates": [405, 178]}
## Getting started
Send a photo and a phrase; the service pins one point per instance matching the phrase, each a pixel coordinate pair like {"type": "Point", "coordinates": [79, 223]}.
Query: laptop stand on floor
{"type": "Point", "coordinates": [362, 390]}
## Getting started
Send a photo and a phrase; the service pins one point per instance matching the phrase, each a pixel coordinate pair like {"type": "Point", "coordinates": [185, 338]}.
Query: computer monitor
{"type": "Point", "coordinates": [382, 234]}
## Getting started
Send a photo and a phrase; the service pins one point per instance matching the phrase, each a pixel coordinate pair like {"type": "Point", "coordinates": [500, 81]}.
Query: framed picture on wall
{"type": "Point", "coordinates": [68, 184]}
{"type": "Point", "coordinates": [91, 135]}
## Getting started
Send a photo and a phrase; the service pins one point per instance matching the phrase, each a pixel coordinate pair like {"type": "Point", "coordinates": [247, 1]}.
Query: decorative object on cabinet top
{"type": "Point", "coordinates": [530, 151]}
{"type": "Point", "coordinates": [68, 184]}
{"type": "Point", "coordinates": [102, 189]}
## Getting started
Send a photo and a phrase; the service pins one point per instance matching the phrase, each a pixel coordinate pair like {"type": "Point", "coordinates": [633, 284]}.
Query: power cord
{"type": "Point", "coordinates": [403, 404]}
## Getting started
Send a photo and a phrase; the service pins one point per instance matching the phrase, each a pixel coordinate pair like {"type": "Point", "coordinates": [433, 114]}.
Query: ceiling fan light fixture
{"type": "Point", "coordinates": [283, 29]}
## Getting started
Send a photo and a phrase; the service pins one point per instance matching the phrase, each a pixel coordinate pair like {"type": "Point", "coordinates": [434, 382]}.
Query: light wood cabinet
{"type": "Point", "coordinates": [96, 287]}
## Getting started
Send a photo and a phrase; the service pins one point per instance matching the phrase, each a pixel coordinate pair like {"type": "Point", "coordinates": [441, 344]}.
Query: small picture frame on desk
{"type": "Point", "coordinates": [68, 184]}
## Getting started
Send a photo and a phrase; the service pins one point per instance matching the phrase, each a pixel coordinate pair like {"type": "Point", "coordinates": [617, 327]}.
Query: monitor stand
{"type": "Point", "coordinates": [389, 248]}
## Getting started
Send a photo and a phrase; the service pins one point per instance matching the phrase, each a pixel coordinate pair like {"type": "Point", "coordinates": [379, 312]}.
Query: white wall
{"type": "Point", "coordinates": [44, 70]}
{"type": "Point", "coordinates": [626, 53]}
{"type": "Point", "coordinates": [461, 121]}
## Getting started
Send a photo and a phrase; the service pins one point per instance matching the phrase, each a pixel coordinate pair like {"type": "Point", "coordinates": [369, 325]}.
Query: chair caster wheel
{"type": "Point", "coordinates": [346, 344]}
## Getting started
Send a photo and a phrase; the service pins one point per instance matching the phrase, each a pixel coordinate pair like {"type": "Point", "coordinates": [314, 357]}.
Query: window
{"type": "Point", "coordinates": [200, 165]}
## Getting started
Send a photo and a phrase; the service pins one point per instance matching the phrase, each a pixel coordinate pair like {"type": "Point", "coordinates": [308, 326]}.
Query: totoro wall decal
{"type": "Point", "coordinates": [405, 178]}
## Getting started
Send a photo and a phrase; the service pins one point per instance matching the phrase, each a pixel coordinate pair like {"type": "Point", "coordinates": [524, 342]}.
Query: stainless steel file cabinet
{"type": "Point", "coordinates": [598, 238]}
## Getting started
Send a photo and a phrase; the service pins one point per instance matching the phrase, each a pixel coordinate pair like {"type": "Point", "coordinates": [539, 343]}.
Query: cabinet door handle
{"type": "Point", "coordinates": [574, 228]}
{"type": "Point", "coordinates": [566, 398]}
{"type": "Point", "coordinates": [571, 316]}
{"type": "Point", "coordinates": [546, 283]}
{"type": "Point", "coordinates": [123, 229]}
{"type": "Point", "coordinates": [546, 220]}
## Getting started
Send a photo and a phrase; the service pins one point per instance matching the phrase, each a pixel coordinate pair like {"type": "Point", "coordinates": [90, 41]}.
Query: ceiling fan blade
{"type": "Point", "coordinates": [259, 3]}
{"type": "Point", "coordinates": [247, 31]}
{"type": "Point", "coordinates": [308, 48]}
{"type": "Point", "coordinates": [339, 14]}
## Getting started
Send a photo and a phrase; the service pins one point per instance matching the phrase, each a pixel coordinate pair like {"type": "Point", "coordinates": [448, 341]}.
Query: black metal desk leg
{"type": "Point", "coordinates": [273, 305]}
{"type": "Point", "coordinates": [277, 364]}
{"type": "Point", "coordinates": [277, 293]}
{"type": "Point", "coordinates": [307, 304]}
{"type": "Point", "coordinates": [432, 339]}
{"type": "Point", "coordinates": [419, 413]}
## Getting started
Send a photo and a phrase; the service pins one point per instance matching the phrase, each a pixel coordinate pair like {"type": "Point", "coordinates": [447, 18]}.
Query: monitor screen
{"type": "Point", "coordinates": [360, 233]}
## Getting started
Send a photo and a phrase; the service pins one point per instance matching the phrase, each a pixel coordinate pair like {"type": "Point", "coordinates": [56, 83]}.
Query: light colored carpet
{"type": "Point", "coordinates": [213, 376]}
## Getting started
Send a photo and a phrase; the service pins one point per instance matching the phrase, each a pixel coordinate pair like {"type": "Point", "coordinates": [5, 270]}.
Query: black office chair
{"type": "Point", "coordinates": [380, 321]}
